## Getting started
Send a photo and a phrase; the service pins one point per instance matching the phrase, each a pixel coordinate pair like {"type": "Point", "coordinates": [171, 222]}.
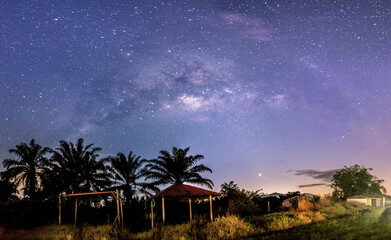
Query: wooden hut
{"type": "Point", "coordinates": [183, 192]}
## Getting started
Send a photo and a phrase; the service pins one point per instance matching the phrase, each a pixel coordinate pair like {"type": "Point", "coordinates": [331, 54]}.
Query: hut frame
{"type": "Point", "coordinates": [183, 192]}
{"type": "Point", "coordinates": [119, 219]}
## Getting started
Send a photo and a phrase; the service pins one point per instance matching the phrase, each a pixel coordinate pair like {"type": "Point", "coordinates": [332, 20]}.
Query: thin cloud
{"type": "Point", "coordinates": [324, 176]}
{"type": "Point", "coordinates": [312, 185]}
{"type": "Point", "coordinates": [316, 174]}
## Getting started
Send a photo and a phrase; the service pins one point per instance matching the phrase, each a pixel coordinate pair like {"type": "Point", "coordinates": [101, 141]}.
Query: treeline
{"type": "Point", "coordinates": [43, 173]}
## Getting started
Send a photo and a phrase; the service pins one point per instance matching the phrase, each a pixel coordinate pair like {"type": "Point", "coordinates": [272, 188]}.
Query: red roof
{"type": "Point", "coordinates": [180, 190]}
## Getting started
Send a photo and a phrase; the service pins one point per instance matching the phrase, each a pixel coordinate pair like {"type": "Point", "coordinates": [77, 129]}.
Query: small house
{"type": "Point", "coordinates": [368, 201]}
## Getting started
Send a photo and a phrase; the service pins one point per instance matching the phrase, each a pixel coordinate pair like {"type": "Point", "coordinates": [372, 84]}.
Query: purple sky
{"type": "Point", "coordinates": [289, 89]}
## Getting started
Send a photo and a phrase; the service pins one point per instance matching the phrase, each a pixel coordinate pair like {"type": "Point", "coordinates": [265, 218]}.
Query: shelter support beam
{"type": "Point", "coordinates": [75, 211]}
{"type": "Point", "coordinates": [210, 208]}
{"type": "Point", "coordinates": [163, 211]}
{"type": "Point", "coordinates": [59, 209]}
{"type": "Point", "coordinates": [122, 213]}
{"type": "Point", "coordinates": [118, 211]}
{"type": "Point", "coordinates": [191, 215]}
{"type": "Point", "coordinates": [152, 214]}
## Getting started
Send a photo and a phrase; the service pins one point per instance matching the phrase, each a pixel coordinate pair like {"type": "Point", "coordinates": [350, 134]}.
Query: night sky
{"type": "Point", "coordinates": [289, 89]}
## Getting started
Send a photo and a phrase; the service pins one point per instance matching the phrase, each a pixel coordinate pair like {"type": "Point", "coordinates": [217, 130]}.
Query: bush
{"type": "Point", "coordinates": [304, 205]}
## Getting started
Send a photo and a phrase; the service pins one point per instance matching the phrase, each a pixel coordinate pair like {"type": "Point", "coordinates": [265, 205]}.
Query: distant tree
{"type": "Point", "coordinates": [75, 168]}
{"type": "Point", "coordinates": [240, 201]}
{"type": "Point", "coordinates": [356, 180]}
{"type": "Point", "coordinates": [28, 168]}
{"type": "Point", "coordinates": [177, 167]}
{"type": "Point", "coordinates": [128, 173]}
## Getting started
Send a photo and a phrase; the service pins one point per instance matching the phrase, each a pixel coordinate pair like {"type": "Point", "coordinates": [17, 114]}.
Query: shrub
{"type": "Point", "coordinates": [304, 205]}
{"type": "Point", "coordinates": [322, 202]}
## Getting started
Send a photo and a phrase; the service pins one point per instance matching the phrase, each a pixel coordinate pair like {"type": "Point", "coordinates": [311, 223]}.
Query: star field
{"type": "Point", "coordinates": [254, 86]}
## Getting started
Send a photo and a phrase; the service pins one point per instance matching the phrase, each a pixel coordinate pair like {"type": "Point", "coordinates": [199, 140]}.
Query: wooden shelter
{"type": "Point", "coordinates": [119, 218]}
{"type": "Point", "coordinates": [180, 192]}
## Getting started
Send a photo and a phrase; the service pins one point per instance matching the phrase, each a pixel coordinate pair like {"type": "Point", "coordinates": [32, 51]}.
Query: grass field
{"type": "Point", "coordinates": [374, 223]}
{"type": "Point", "coordinates": [339, 221]}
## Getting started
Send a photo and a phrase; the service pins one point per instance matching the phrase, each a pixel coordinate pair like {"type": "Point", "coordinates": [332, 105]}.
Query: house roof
{"type": "Point", "coordinates": [180, 190]}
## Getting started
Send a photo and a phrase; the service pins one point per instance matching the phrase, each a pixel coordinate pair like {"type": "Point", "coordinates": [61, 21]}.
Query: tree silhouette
{"type": "Point", "coordinates": [77, 169]}
{"type": "Point", "coordinates": [177, 167]}
{"type": "Point", "coordinates": [7, 190]}
{"type": "Point", "coordinates": [128, 174]}
{"type": "Point", "coordinates": [28, 168]}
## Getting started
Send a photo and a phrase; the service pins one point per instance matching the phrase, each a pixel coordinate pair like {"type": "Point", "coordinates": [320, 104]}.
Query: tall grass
{"type": "Point", "coordinates": [66, 232]}
{"type": "Point", "coordinates": [343, 209]}
{"type": "Point", "coordinates": [231, 227]}
{"type": "Point", "coordinates": [368, 225]}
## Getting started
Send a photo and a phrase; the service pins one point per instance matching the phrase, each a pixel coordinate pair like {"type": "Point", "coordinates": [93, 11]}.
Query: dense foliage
{"type": "Point", "coordinates": [356, 180]}
{"type": "Point", "coordinates": [240, 201]}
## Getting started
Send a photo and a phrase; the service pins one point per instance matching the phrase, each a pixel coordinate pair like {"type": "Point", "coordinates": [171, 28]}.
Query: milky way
{"type": "Point", "coordinates": [254, 86]}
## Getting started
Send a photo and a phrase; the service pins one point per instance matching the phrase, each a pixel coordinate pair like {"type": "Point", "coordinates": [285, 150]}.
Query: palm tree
{"type": "Point", "coordinates": [127, 173]}
{"type": "Point", "coordinates": [28, 168]}
{"type": "Point", "coordinates": [77, 169]}
{"type": "Point", "coordinates": [177, 167]}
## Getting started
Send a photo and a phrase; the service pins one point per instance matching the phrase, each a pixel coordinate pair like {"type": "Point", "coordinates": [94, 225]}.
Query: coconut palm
{"type": "Point", "coordinates": [77, 169]}
{"type": "Point", "coordinates": [177, 167]}
{"type": "Point", "coordinates": [128, 174]}
{"type": "Point", "coordinates": [28, 168]}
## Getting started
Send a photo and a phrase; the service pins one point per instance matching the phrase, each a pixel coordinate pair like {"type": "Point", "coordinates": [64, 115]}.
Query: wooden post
{"type": "Point", "coordinates": [210, 207]}
{"type": "Point", "coordinates": [163, 211]}
{"type": "Point", "coordinates": [268, 206]}
{"type": "Point", "coordinates": [59, 209]}
{"type": "Point", "coordinates": [75, 211]}
{"type": "Point", "coordinates": [151, 214]}
{"type": "Point", "coordinates": [118, 212]}
{"type": "Point", "coordinates": [384, 201]}
{"type": "Point", "coordinates": [191, 216]}
{"type": "Point", "coordinates": [122, 213]}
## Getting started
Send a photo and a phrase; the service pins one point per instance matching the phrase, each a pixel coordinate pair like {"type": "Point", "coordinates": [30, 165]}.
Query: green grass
{"type": "Point", "coordinates": [285, 220]}
{"type": "Point", "coordinates": [368, 224]}
{"type": "Point", "coordinates": [230, 227]}
{"type": "Point", "coordinates": [66, 232]}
